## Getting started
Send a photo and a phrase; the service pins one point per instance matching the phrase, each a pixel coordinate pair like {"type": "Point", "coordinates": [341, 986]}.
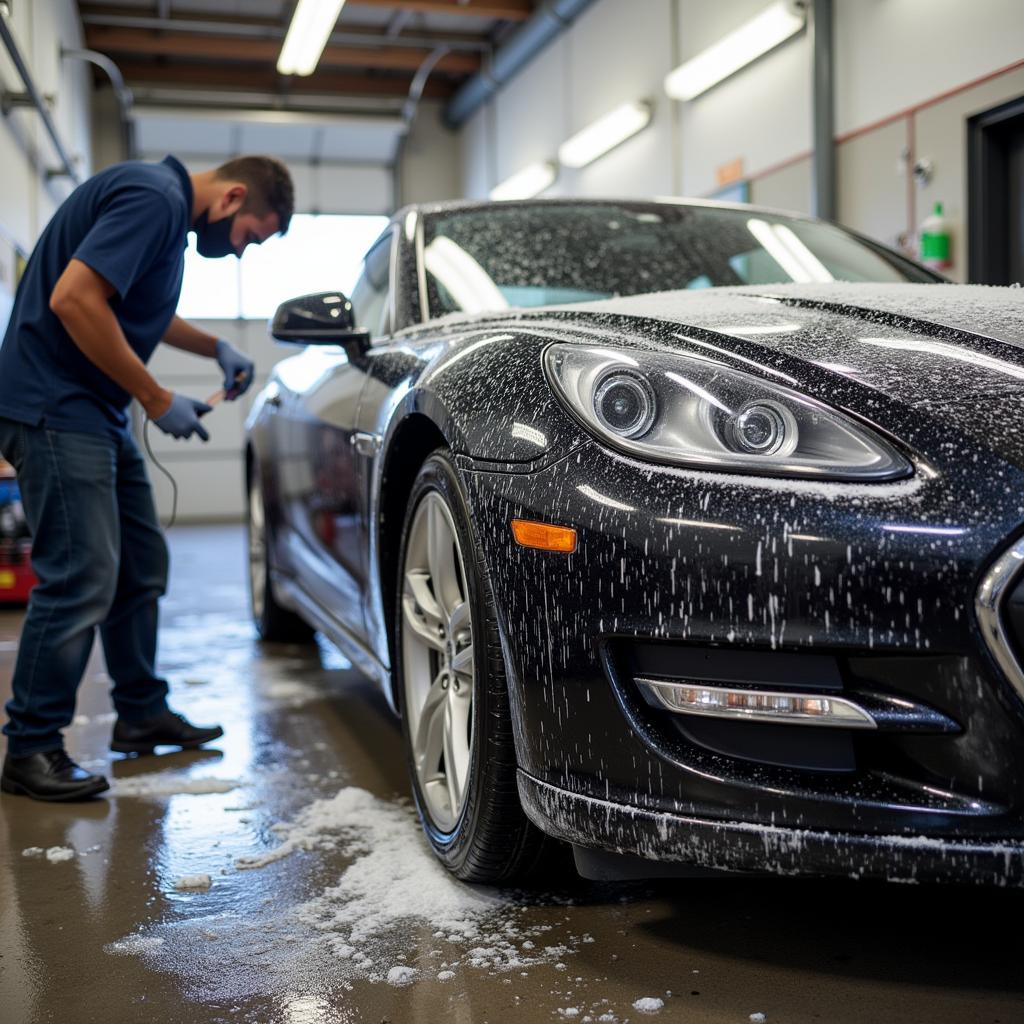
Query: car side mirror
{"type": "Point", "coordinates": [326, 318]}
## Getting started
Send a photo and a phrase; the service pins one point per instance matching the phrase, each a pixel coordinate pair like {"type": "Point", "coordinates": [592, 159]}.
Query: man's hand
{"type": "Point", "coordinates": [238, 370]}
{"type": "Point", "coordinates": [182, 418]}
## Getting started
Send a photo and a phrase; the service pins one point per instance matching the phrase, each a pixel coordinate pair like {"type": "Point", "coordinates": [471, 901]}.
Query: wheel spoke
{"type": "Point", "coordinates": [417, 584]}
{"type": "Point", "coordinates": [459, 618]}
{"type": "Point", "coordinates": [462, 663]}
{"type": "Point", "coordinates": [430, 730]}
{"type": "Point", "coordinates": [456, 735]}
{"type": "Point", "coordinates": [451, 759]}
{"type": "Point", "coordinates": [422, 615]}
{"type": "Point", "coordinates": [444, 577]}
{"type": "Point", "coordinates": [257, 553]}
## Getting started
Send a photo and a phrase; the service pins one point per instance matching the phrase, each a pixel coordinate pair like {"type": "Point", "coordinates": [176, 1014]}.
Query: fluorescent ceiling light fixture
{"type": "Point", "coordinates": [311, 27]}
{"type": "Point", "coordinates": [772, 26]}
{"type": "Point", "coordinates": [604, 134]}
{"type": "Point", "coordinates": [527, 183]}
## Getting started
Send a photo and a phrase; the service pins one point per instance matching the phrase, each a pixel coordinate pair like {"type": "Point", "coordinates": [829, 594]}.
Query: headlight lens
{"type": "Point", "coordinates": [625, 403]}
{"type": "Point", "coordinates": [692, 411]}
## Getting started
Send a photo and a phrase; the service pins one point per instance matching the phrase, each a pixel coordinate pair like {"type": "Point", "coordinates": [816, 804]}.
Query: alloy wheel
{"type": "Point", "coordinates": [437, 655]}
{"type": "Point", "coordinates": [257, 551]}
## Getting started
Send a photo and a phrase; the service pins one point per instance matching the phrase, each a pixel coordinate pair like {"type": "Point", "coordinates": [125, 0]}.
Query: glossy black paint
{"type": "Point", "coordinates": [877, 579]}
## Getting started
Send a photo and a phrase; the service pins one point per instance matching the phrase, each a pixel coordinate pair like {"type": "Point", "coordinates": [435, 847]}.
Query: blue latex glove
{"type": "Point", "coordinates": [238, 370]}
{"type": "Point", "coordinates": [182, 419]}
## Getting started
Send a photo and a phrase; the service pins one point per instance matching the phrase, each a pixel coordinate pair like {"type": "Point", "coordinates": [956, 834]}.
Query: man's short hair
{"type": "Point", "coordinates": [269, 183]}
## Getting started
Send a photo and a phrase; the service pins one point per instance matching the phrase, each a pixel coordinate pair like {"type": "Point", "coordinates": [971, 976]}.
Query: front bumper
{"type": "Point", "coordinates": [742, 846]}
{"type": "Point", "coordinates": [871, 586]}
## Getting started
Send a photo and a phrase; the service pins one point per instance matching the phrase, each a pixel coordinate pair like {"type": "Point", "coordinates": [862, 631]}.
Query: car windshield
{"type": "Point", "coordinates": [522, 255]}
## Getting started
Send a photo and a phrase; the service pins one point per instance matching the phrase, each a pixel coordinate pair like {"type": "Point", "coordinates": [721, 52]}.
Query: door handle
{"type": "Point", "coordinates": [366, 444]}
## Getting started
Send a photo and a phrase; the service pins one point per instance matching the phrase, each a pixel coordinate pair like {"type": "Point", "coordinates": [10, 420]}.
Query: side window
{"type": "Point", "coordinates": [370, 295]}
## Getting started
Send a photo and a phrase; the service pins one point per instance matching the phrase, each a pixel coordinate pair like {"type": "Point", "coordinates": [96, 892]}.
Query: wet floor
{"type": "Point", "coordinates": [280, 877]}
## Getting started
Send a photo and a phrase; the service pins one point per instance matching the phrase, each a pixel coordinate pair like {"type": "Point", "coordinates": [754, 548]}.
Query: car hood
{"type": "Point", "coordinates": [981, 311]}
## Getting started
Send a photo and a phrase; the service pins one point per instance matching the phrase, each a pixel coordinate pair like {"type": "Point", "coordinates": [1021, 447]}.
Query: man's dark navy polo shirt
{"type": "Point", "coordinates": [128, 223]}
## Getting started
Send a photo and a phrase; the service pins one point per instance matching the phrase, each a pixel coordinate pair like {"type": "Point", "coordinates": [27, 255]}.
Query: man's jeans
{"type": "Point", "coordinates": [101, 559]}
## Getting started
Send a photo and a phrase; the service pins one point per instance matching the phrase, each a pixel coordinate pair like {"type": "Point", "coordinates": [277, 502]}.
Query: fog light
{"type": "Point", "coordinates": [695, 698]}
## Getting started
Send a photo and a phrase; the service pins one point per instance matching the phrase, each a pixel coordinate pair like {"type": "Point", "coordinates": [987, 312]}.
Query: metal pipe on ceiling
{"type": "Point", "coordinates": [122, 93]}
{"type": "Point", "coordinates": [35, 98]}
{"type": "Point", "coordinates": [527, 41]}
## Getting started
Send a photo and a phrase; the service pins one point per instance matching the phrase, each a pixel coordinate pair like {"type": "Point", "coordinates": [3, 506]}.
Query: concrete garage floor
{"type": "Point", "coordinates": [312, 930]}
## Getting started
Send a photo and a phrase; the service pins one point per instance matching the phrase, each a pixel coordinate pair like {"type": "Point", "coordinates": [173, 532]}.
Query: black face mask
{"type": "Point", "coordinates": [214, 240]}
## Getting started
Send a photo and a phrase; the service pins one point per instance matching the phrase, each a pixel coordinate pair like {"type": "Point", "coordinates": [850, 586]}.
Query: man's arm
{"type": "Point", "coordinates": [181, 334]}
{"type": "Point", "coordinates": [81, 301]}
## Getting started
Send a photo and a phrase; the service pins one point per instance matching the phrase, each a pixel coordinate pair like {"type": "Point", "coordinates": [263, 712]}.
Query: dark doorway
{"type": "Point", "coordinates": [995, 189]}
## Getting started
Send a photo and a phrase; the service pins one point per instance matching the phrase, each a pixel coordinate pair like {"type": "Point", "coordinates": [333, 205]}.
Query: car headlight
{"type": "Point", "coordinates": [692, 411]}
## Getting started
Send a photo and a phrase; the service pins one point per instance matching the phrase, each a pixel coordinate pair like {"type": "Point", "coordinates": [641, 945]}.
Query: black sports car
{"type": "Point", "coordinates": [690, 535]}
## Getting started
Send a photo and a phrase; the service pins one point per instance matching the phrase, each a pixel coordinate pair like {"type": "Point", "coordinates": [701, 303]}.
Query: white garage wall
{"type": "Point", "coordinates": [532, 118]}
{"type": "Point", "coordinates": [430, 168]}
{"type": "Point", "coordinates": [620, 52]}
{"type": "Point", "coordinates": [890, 55]}
{"type": "Point", "coordinates": [26, 200]}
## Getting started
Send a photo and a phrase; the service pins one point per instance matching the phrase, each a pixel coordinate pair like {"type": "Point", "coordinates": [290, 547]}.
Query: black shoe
{"type": "Point", "coordinates": [166, 730]}
{"type": "Point", "coordinates": [50, 776]}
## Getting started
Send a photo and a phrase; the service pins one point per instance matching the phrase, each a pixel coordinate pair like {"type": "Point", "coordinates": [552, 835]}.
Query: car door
{"type": "Point", "coordinates": [327, 512]}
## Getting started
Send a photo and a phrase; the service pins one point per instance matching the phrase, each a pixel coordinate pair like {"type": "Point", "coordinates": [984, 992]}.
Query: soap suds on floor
{"type": "Point", "coordinates": [192, 882]}
{"type": "Point", "coordinates": [133, 945]}
{"type": "Point", "coordinates": [170, 784]}
{"type": "Point", "coordinates": [402, 975]}
{"type": "Point", "coordinates": [56, 854]}
{"type": "Point", "coordinates": [393, 876]}
{"type": "Point", "coordinates": [392, 913]}
{"type": "Point", "coordinates": [649, 1004]}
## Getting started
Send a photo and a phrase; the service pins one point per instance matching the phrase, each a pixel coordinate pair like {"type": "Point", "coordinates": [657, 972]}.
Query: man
{"type": "Point", "coordinates": [99, 293]}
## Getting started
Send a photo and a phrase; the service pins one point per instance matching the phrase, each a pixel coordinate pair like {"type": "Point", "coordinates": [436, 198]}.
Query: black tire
{"type": "Point", "coordinates": [492, 841]}
{"type": "Point", "coordinates": [274, 623]}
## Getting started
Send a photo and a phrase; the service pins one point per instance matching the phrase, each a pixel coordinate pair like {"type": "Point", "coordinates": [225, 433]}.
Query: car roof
{"type": "Point", "coordinates": [461, 205]}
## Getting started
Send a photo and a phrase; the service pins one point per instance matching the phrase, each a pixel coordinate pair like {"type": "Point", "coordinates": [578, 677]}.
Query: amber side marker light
{"type": "Point", "coordinates": [544, 536]}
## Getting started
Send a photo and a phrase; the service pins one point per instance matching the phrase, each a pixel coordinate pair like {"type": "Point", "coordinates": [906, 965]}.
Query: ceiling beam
{"type": "Point", "coordinates": [140, 42]}
{"type": "Point", "coordinates": [200, 76]}
{"type": "Point", "coordinates": [112, 16]}
{"type": "Point", "coordinates": [506, 10]}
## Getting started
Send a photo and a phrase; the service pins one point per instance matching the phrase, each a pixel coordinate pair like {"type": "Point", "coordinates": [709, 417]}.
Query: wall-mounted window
{"type": "Point", "coordinates": [319, 254]}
